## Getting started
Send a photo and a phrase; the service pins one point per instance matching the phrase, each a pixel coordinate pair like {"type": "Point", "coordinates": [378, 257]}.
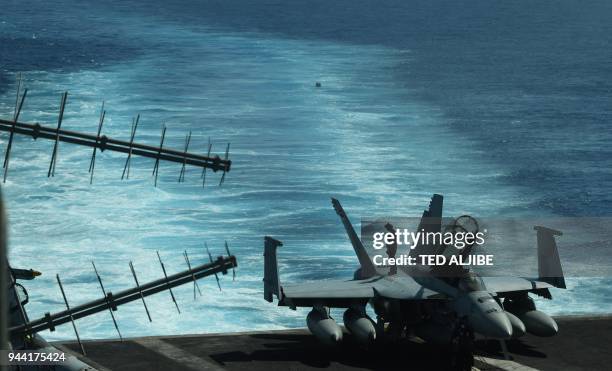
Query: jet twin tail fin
{"type": "Point", "coordinates": [367, 269]}
{"type": "Point", "coordinates": [431, 222]}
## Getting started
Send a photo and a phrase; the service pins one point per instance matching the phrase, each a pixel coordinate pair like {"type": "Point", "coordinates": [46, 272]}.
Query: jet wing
{"type": "Point", "coordinates": [503, 285]}
{"type": "Point", "coordinates": [342, 294]}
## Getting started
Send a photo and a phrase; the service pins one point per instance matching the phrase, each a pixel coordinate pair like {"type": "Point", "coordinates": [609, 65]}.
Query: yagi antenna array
{"type": "Point", "coordinates": [104, 143]}
{"type": "Point", "coordinates": [110, 301]}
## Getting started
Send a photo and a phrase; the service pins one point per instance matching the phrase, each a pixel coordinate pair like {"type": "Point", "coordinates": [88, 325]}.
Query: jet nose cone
{"type": "Point", "coordinates": [335, 338]}
{"type": "Point", "coordinates": [500, 326]}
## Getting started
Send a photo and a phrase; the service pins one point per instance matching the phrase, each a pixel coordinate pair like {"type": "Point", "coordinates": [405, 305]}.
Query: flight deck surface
{"type": "Point", "coordinates": [582, 344]}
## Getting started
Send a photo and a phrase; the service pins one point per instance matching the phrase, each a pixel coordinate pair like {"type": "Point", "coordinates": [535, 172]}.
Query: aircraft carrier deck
{"type": "Point", "coordinates": [583, 343]}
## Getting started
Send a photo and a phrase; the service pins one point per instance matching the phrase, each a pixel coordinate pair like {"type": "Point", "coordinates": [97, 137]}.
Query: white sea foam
{"type": "Point", "coordinates": [357, 138]}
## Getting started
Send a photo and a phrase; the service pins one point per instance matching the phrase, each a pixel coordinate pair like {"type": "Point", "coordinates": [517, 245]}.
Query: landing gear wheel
{"type": "Point", "coordinates": [380, 329]}
{"type": "Point", "coordinates": [462, 348]}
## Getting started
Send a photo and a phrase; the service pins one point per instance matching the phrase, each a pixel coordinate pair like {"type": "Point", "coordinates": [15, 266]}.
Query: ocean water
{"type": "Point", "coordinates": [502, 107]}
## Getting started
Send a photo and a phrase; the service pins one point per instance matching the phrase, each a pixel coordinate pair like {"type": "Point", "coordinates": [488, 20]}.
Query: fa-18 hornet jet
{"type": "Point", "coordinates": [442, 305]}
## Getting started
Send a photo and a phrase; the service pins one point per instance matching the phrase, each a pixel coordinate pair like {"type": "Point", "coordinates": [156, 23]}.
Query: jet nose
{"type": "Point", "coordinates": [494, 325]}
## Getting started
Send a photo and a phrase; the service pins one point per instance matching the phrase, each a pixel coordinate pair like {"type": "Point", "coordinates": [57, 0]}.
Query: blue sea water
{"type": "Point", "coordinates": [503, 107]}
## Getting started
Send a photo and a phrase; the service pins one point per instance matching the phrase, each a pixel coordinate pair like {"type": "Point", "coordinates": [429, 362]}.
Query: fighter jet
{"type": "Point", "coordinates": [437, 304]}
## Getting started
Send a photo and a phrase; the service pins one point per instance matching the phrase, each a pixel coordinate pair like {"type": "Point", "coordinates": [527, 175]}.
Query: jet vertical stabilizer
{"type": "Point", "coordinates": [367, 269]}
{"type": "Point", "coordinates": [431, 222]}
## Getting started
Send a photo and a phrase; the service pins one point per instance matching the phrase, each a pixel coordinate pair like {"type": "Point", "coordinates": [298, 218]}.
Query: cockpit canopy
{"type": "Point", "coordinates": [471, 282]}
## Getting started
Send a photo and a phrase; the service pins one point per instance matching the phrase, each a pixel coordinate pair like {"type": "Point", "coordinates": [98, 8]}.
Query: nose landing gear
{"type": "Point", "coordinates": [462, 347]}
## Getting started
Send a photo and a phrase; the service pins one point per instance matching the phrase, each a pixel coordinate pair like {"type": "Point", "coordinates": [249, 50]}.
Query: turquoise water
{"type": "Point", "coordinates": [504, 109]}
